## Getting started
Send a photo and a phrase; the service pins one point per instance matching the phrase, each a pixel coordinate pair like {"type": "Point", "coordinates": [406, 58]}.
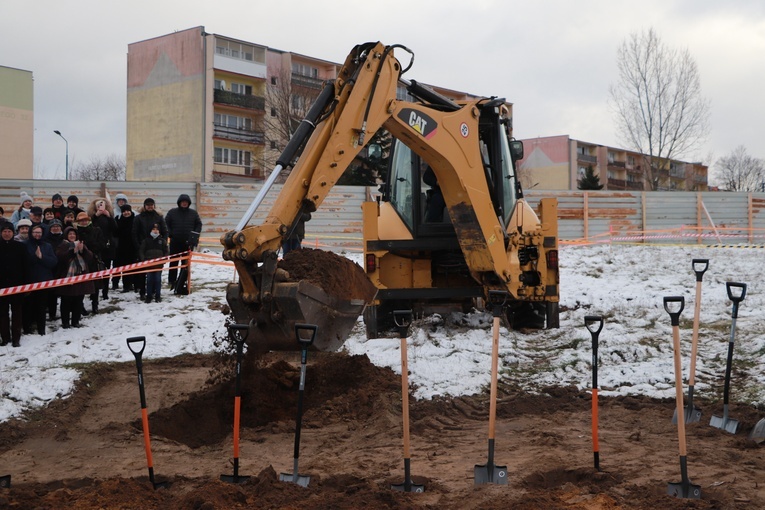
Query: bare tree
{"type": "Point", "coordinates": [739, 171]}
{"type": "Point", "coordinates": [287, 103]}
{"type": "Point", "coordinates": [659, 109]}
{"type": "Point", "coordinates": [108, 168]}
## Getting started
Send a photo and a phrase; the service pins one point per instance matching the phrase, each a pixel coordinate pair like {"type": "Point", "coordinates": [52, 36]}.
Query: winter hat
{"type": "Point", "coordinates": [182, 198]}
{"type": "Point", "coordinates": [121, 196]}
{"type": "Point", "coordinates": [56, 196]}
{"type": "Point", "coordinates": [6, 225]}
{"type": "Point", "coordinates": [126, 207]}
{"type": "Point", "coordinates": [35, 209]}
{"type": "Point", "coordinates": [148, 201]}
{"type": "Point", "coordinates": [24, 197]}
{"type": "Point", "coordinates": [53, 223]}
{"type": "Point", "coordinates": [70, 229]}
{"type": "Point", "coordinates": [82, 216]}
{"type": "Point", "coordinates": [26, 222]}
{"type": "Point", "coordinates": [73, 198]}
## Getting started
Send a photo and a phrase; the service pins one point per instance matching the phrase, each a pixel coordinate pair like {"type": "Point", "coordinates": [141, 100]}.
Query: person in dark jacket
{"type": "Point", "coordinates": [102, 215]}
{"type": "Point", "coordinates": [73, 205]}
{"type": "Point", "coordinates": [55, 237]}
{"type": "Point", "coordinates": [94, 239]}
{"type": "Point", "coordinates": [127, 251]}
{"type": "Point", "coordinates": [59, 209]}
{"type": "Point", "coordinates": [181, 222]}
{"type": "Point", "coordinates": [74, 259]}
{"type": "Point", "coordinates": [14, 264]}
{"type": "Point", "coordinates": [42, 263]}
{"type": "Point", "coordinates": [142, 225]}
{"type": "Point", "coordinates": [153, 247]}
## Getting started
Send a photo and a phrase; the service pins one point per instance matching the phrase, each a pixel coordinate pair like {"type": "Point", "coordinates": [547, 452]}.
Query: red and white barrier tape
{"type": "Point", "coordinates": [96, 275]}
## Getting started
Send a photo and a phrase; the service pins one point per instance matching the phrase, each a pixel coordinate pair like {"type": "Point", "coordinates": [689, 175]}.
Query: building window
{"type": "Point", "coordinates": [220, 85]}
{"type": "Point", "coordinates": [235, 50]}
{"type": "Point", "coordinates": [273, 112]}
{"type": "Point", "coordinates": [233, 121]}
{"type": "Point", "coordinates": [240, 88]}
{"type": "Point", "coordinates": [611, 157]}
{"type": "Point", "coordinates": [273, 80]}
{"type": "Point", "coordinates": [232, 157]}
{"type": "Point", "coordinates": [305, 70]}
{"type": "Point", "coordinates": [631, 160]}
{"type": "Point", "coordinates": [273, 144]}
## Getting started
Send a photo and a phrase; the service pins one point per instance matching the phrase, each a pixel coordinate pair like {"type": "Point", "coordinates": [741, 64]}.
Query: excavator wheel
{"type": "Point", "coordinates": [526, 314]}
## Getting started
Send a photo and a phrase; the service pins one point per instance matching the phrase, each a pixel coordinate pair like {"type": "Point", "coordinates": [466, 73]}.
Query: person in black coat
{"type": "Point", "coordinates": [102, 215]}
{"type": "Point", "coordinates": [181, 222]}
{"type": "Point", "coordinates": [148, 216]}
{"type": "Point", "coordinates": [55, 237]}
{"type": "Point", "coordinates": [14, 264]}
{"type": "Point", "coordinates": [42, 263]}
{"type": "Point", "coordinates": [127, 251]}
{"type": "Point", "coordinates": [94, 239]}
{"type": "Point", "coordinates": [74, 259]}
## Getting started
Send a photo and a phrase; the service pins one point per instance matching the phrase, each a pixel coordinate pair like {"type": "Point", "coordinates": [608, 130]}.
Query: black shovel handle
{"type": "Point", "coordinates": [729, 286]}
{"type": "Point", "coordinates": [498, 300]}
{"type": "Point", "coordinates": [311, 329]}
{"type": "Point", "coordinates": [239, 332]}
{"type": "Point", "coordinates": [674, 316]}
{"type": "Point", "coordinates": [134, 340]}
{"type": "Point", "coordinates": [590, 320]}
{"type": "Point", "coordinates": [700, 272]}
{"type": "Point", "coordinates": [402, 319]}
{"type": "Point", "coordinates": [139, 364]}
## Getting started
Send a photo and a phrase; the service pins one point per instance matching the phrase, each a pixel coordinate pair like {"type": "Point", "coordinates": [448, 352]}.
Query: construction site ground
{"type": "Point", "coordinates": [87, 451]}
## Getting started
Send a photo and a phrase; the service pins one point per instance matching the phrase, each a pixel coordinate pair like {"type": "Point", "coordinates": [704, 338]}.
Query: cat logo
{"type": "Point", "coordinates": [419, 122]}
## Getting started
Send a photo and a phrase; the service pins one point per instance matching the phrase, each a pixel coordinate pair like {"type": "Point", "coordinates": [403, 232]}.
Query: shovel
{"type": "Point", "coordinates": [238, 333]}
{"type": "Point", "coordinates": [725, 423]}
{"type": "Point", "coordinates": [489, 472]}
{"type": "Point", "coordinates": [310, 329]}
{"type": "Point", "coordinates": [144, 415]}
{"type": "Point", "coordinates": [590, 320]}
{"type": "Point", "coordinates": [692, 413]}
{"type": "Point", "coordinates": [683, 489]}
{"type": "Point", "coordinates": [5, 482]}
{"type": "Point", "coordinates": [758, 432]}
{"type": "Point", "coordinates": [403, 319]}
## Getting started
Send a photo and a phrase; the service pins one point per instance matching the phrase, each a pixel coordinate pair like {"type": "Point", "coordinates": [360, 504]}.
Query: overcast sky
{"type": "Point", "coordinates": [553, 59]}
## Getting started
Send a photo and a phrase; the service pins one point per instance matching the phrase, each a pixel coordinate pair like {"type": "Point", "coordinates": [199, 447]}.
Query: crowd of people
{"type": "Point", "coordinates": [40, 244]}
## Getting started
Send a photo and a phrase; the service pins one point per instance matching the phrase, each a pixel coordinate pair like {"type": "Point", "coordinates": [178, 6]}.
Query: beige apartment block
{"type": "Point", "coordinates": [559, 162]}
{"type": "Point", "coordinates": [16, 124]}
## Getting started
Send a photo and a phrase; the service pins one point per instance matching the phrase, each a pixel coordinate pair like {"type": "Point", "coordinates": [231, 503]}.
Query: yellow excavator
{"type": "Point", "coordinates": [449, 226]}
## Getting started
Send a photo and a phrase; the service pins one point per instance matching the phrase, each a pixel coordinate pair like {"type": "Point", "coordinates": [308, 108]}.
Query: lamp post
{"type": "Point", "coordinates": [67, 153]}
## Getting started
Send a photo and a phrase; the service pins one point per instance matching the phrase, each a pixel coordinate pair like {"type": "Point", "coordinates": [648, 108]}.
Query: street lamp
{"type": "Point", "coordinates": [67, 153]}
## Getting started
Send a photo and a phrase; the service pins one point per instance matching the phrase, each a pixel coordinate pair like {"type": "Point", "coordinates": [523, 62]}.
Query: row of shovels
{"type": "Point", "coordinates": [674, 306]}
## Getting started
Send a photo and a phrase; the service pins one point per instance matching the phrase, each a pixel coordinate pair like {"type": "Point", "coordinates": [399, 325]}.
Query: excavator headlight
{"type": "Point", "coordinates": [371, 263]}
{"type": "Point", "coordinates": [552, 259]}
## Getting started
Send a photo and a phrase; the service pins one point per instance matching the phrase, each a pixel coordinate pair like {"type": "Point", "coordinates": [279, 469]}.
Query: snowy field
{"type": "Point", "coordinates": [624, 284]}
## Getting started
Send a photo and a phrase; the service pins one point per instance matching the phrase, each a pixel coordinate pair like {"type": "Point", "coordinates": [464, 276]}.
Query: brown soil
{"type": "Point", "coordinates": [335, 274]}
{"type": "Point", "coordinates": [87, 451]}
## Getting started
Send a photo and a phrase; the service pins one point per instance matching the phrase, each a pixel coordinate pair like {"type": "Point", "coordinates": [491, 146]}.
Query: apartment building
{"type": "Point", "coordinates": [559, 162]}
{"type": "Point", "coordinates": [16, 124]}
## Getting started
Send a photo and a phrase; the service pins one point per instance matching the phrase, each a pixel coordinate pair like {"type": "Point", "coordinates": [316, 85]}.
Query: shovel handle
{"type": "Point", "coordinates": [239, 332]}
{"type": "Point", "coordinates": [134, 340]}
{"type": "Point", "coordinates": [700, 272]}
{"type": "Point", "coordinates": [498, 299]}
{"type": "Point", "coordinates": [674, 316]}
{"type": "Point", "coordinates": [311, 329]}
{"type": "Point", "coordinates": [590, 320]}
{"type": "Point", "coordinates": [402, 319]}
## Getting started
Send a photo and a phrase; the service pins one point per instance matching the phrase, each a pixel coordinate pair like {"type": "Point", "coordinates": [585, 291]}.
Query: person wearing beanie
{"type": "Point", "coordinates": [102, 215]}
{"type": "Point", "coordinates": [142, 226]}
{"type": "Point", "coordinates": [121, 199]}
{"type": "Point", "coordinates": [22, 229]}
{"type": "Point", "coordinates": [181, 222]}
{"type": "Point", "coordinates": [74, 259]}
{"type": "Point", "coordinates": [42, 263]}
{"type": "Point", "coordinates": [153, 247]}
{"type": "Point", "coordinates": [95, 241]}
{"type": "Point", "coordinates": [13, 260]}
{"type": "Point", "coordinates": [72, 204]}
{"type": "Point", "coordinates": [23, 211]}
{"type": "Point", "coordinates": [127, 251]}
{"type": "Point", "coordinates": [59, 209]}
{"type": "Point", "coordinates": [36, 216]}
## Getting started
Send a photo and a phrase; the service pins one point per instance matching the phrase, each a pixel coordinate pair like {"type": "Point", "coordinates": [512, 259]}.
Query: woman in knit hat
{"type": "Point", "coordinates": [23, 211]}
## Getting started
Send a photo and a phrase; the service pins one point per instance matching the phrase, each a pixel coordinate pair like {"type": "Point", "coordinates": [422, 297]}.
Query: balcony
{"type": "Point", "coordinates": [634, 185]}
{"type": "Point", "coordinates": [586, 158]}
{"type": "Point", "coordinates": [701, 179]}
{"type": "Point", "coordinates": [309, 82]}
{"type": "Point", "coordinates": [677, 172]}
{"type": "Point", "coordinates": [239, 134]}
{"type": "Point", "coordinates": [240, 100]}
{"type": "Point", "coordinates": [616, 183]}
{"type": "Point", "coordinates": [619, 164]}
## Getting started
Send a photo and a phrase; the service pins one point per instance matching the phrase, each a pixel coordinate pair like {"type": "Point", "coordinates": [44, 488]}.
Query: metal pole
{"type": "Point", "coordinates": [66, 175]}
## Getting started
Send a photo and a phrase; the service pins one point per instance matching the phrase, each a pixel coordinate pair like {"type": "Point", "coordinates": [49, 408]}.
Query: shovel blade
{"type": "Point", "coordinates": [301, 480]}
{"type": "Point", "coordinates": [692, 415]}
{"type": "Point", "coordinates": [758, 432]}
{"type": "Point", "coordinates": [410, 487]}
{"type": "Point", "coordinates": [684, 490]}
{"type": "Point", "coordinates": [5, 482]}
{"type": "Point", "coordinates": [728, 425]}
{"type": "Point", "coordinates": [234, 478]}
{"type": "Point", "coordinates": [160, 485]}
{"type": "Point", "coordinates": [489, 473]}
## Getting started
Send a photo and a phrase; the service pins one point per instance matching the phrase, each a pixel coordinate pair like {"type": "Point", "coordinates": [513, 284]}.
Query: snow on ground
{"type": "Point", "coordinates": [452, 355]}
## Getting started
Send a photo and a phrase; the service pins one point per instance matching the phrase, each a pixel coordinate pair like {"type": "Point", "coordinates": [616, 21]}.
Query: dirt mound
{"type": "Point", "coordinates": [337, 388]}
{"type": "Point", "coordinates": [337, 275]}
